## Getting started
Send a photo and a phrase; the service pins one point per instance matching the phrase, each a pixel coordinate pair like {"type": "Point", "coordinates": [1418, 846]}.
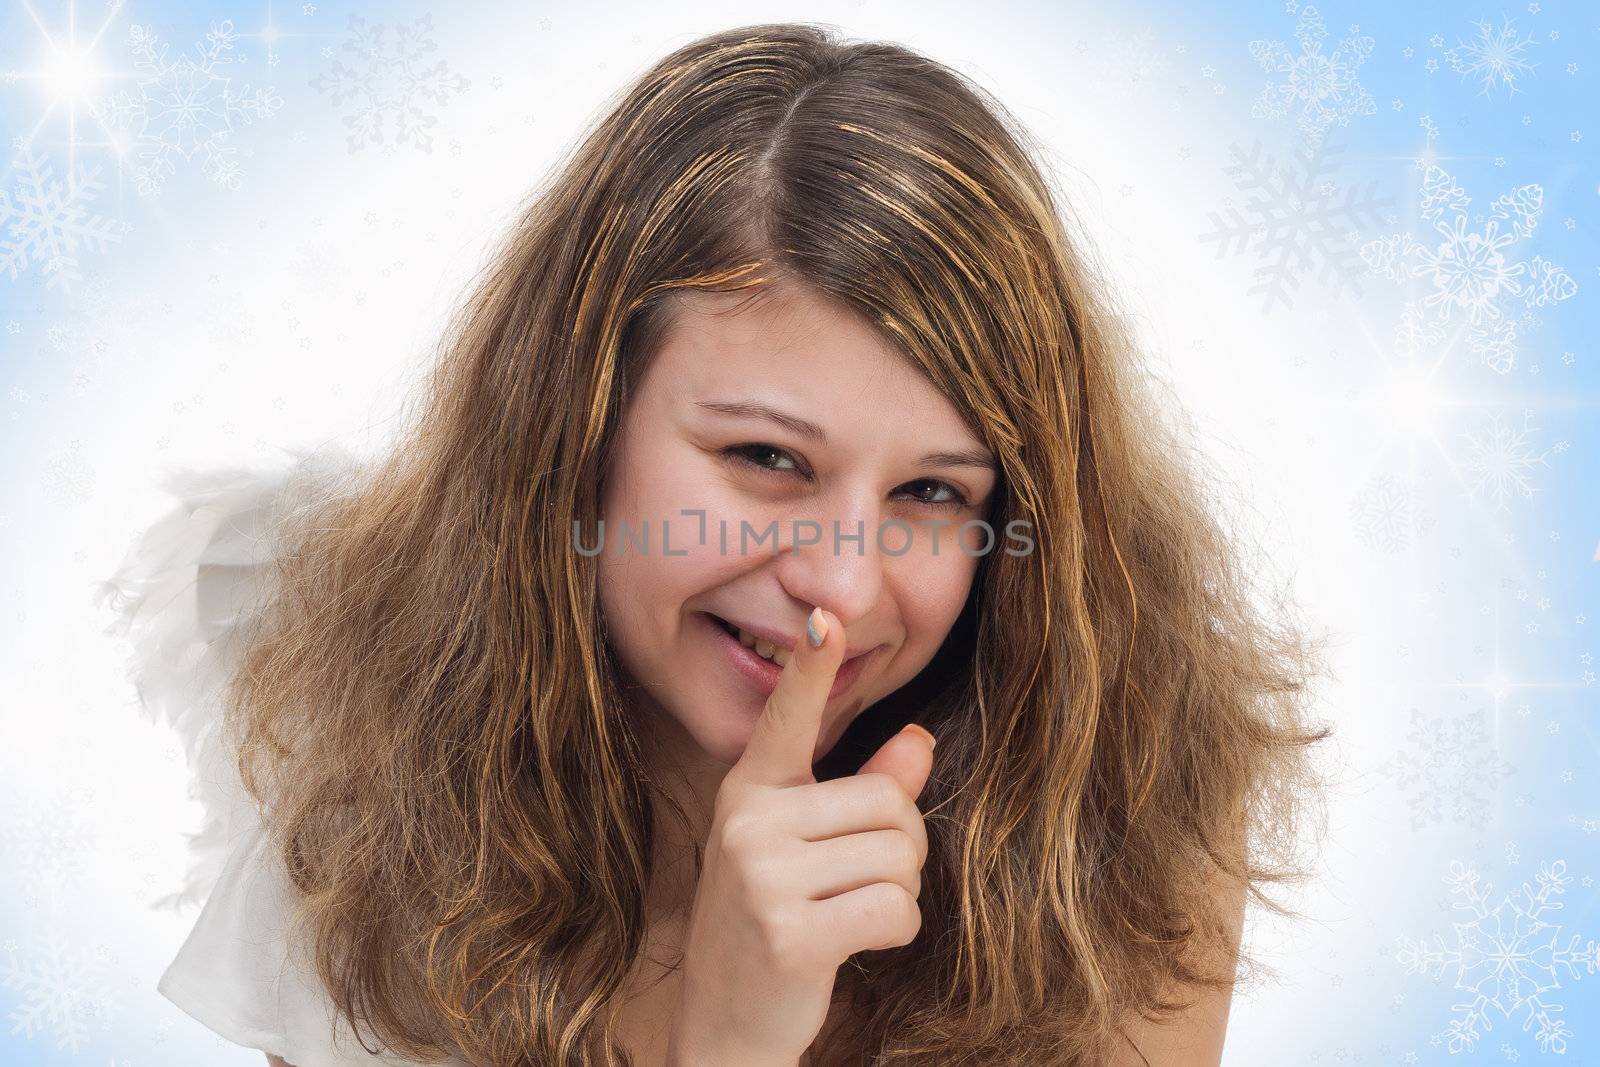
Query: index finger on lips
{"type": "Point", "coordinates": [781, 746]}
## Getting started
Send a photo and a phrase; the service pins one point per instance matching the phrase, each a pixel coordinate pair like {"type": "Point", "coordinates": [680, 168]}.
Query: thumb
{"type": "Point", "coordinates": [907, 757]}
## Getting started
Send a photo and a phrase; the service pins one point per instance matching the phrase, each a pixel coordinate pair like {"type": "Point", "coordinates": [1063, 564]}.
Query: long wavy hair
{"type": "Point", "coordinates": [432, 723]}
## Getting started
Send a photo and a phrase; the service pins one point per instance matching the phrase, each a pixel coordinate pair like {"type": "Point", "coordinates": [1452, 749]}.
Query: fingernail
{"type": "Point", "coordinates": [816, 628]}
{"type": "Point", "coordinates": [910, 726]}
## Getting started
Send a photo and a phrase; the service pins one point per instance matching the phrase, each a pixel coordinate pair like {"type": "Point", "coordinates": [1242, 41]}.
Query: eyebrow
{"type": "Point", "coordinates": [754, 409]}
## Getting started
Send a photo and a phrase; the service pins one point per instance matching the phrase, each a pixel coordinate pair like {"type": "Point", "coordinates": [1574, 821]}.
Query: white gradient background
{"type": "Point", "coordinates": [302, 304]}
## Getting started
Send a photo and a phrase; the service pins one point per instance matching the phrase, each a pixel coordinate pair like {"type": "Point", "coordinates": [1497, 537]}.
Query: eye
{"type": "Point", "coordinates": [954, 500]}
{"type": "Point", "coordinates": [741, 455]}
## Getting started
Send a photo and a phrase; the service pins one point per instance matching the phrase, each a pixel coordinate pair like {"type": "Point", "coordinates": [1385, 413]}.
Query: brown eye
{"type": "Point", "coordinates": [743, 453]}
{"type": "Point", "coordinates": [758, 455]}
{"type": "Point", "coordinates": [954, 499]}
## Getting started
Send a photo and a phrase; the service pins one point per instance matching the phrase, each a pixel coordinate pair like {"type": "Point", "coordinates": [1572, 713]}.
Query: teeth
{"type": "Point", "coordinates": [765, 649]}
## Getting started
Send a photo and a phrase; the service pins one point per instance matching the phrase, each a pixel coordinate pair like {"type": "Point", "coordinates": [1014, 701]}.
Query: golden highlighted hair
{"type": "Point", "coordinates": [431, 719]}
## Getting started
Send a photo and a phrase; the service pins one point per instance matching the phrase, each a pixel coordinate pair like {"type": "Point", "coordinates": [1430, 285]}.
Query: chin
{"type": "Point", "coordinates": [722, 741]}
{"type": "Point", "coordinates": [723, 737]}
{"type": "Point", "coordinates": [726, 746]}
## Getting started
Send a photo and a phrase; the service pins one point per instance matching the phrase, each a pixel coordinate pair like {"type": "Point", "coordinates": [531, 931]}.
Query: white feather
{"type": "Point", "coordinates": [182, 598]}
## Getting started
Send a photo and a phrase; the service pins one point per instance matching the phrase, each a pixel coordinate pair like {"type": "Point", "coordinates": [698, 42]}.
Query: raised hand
{"type": "Point", "coordinates": [798, 874]}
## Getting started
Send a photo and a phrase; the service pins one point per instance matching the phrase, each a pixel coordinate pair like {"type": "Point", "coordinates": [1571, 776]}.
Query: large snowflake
{"type": "Point", "coordinates": [390, 83]}
{"type": "Point", "coordinates": [1495, 58]}
{"type": "Point", "coordinates": [1505, 956]}
{"type": "Point", "coordinates": [46, 220]}
{"type": "Point", "coordinates": [1467, 265]}
{"type": "Point", "coordinates": [62, 992]}
{"type": "Point", "coordinates": [1321, 88]}
{"type": "Point", "coordinates": [183, 109]}
{"type": "Point", "coordinates": [1501, 461]}
{"type": "Point", "coordinates": [1293, 220]}
{"type": "Point", "coordinates": [1448, 769]}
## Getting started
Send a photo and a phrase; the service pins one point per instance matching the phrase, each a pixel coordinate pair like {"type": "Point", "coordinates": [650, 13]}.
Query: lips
{"type": "Point", "coordinates": [783, 640]}
{"type": "Point", "coordinates": [762, 674]}
{"type": "Point", "coordinates": [764, 648]}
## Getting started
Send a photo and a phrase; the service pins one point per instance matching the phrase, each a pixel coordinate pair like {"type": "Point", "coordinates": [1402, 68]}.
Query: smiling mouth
{"type": "Point", "coordinates": [762, 672]}
{"type": "Point", "coordinates": [765, 649]}
{"type": "Point", "coordinates": [750, 640]}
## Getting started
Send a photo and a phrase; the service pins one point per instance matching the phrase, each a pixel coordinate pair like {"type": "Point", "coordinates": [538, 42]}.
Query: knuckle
{"type": "Point", "coordinates": [910, 813]}
{"type": "Point", "coordinates": [782, 939]}
{"type": "Point", "coordinates": [904, 915]}
{"type": "Point", "coordinates": [907, 856]}
{"type": "Point", "coordinates": [915, 825]}
{"type": "Point", "coordinates": [919, 835]}
{"type": "Point", "coordinates": [883, 793]}
{"type": "Point", "coordinates": [737, 834]}
{"type": "Point", "coordinates": [763, 872]}
{"type": "Point", "coordinates": [778, 710]}
{"type": "Point", "coordinates": [883, 903]}
{"type": "Point", "coordinates": [893, 910]}
{"type": "Point", "coordinates": [912, 915]}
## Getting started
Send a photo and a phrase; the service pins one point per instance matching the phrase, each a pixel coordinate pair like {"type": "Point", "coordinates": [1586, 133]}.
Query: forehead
{"type": "Point", "coordinates": [784, 323]}
{"type": "Point", "coordinates": [798, 348]}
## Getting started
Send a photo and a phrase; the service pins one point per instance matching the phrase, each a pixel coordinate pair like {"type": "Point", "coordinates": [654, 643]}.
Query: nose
{"type": "Point", "coordinates": [844, 573]}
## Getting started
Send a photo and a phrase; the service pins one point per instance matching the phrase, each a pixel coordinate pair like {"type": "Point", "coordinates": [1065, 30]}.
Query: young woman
{"type": "Point", "coordinates": [521, 786]}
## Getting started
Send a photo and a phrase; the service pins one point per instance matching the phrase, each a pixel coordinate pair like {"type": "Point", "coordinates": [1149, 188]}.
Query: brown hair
{"type": "Point", "coordinates": [431, 719]}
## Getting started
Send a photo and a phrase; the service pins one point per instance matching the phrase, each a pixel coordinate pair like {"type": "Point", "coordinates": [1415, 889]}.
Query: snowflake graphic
{"type": "Point", "coordinates": [46, 844]}
{"type": "Point", "coordinates": [1501, 461]}
{"type": "Point", "coordinates": [390, 82]}
{"type": "Point", "coordinates": [68, 477]}
{"type": "Point", "coordinates": [1321, 89]}
{"type": "Point", "coordinates": [46, 220]}
{"type": "Point", "coordinates": [61, 992]}
{"type": "Point", "coordinates": [1501, 959]}
{"type": "Point", "coordinates": [107, 328]}
{"type": "Point", "coordinates": [1468, 266]}
{"type": "Point", "coordinates": [1126, 63]}
{"type": "Point", "coordinates": [1293, 222]}
{"type": "Point", "coordinates": [1448, 769]}
{"type": "Point", "coordinates": [1495, 58]}
{"type": "Point", "coordinates": [1418, 332]}
{"type": "Point", "coordinates": [1386, 513]}
{"type": "Point", "coordinates": [183, 109]}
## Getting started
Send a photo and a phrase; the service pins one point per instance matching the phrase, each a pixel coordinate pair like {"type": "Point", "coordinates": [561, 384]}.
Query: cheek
{"type": "Point", "coordinates": [931, 592]}
{"type": "Point", "coordinates": [658, 487]}
{"type": "Point", "coordinates": [652, 565]}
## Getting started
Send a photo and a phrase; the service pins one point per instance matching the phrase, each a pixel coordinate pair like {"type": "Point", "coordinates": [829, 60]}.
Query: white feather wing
{"type": "Point", "coordinates": [183, 599]}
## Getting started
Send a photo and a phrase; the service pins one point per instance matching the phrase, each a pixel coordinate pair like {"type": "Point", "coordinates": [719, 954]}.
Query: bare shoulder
{"type": "Point", "coordinates": [278, 1061]}
{"type": "Point", "coordinates": [1194, 1038]}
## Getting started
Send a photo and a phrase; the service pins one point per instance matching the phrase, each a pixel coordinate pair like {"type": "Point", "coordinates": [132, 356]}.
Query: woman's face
{"type": "Point", "coordinates": [787, 410]}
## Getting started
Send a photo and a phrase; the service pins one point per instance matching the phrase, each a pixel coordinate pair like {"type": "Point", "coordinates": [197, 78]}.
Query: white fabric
{"type": "Point", "coordinates": [236, 972]}
{"type": "Point", "coordinates": [181, 597]}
